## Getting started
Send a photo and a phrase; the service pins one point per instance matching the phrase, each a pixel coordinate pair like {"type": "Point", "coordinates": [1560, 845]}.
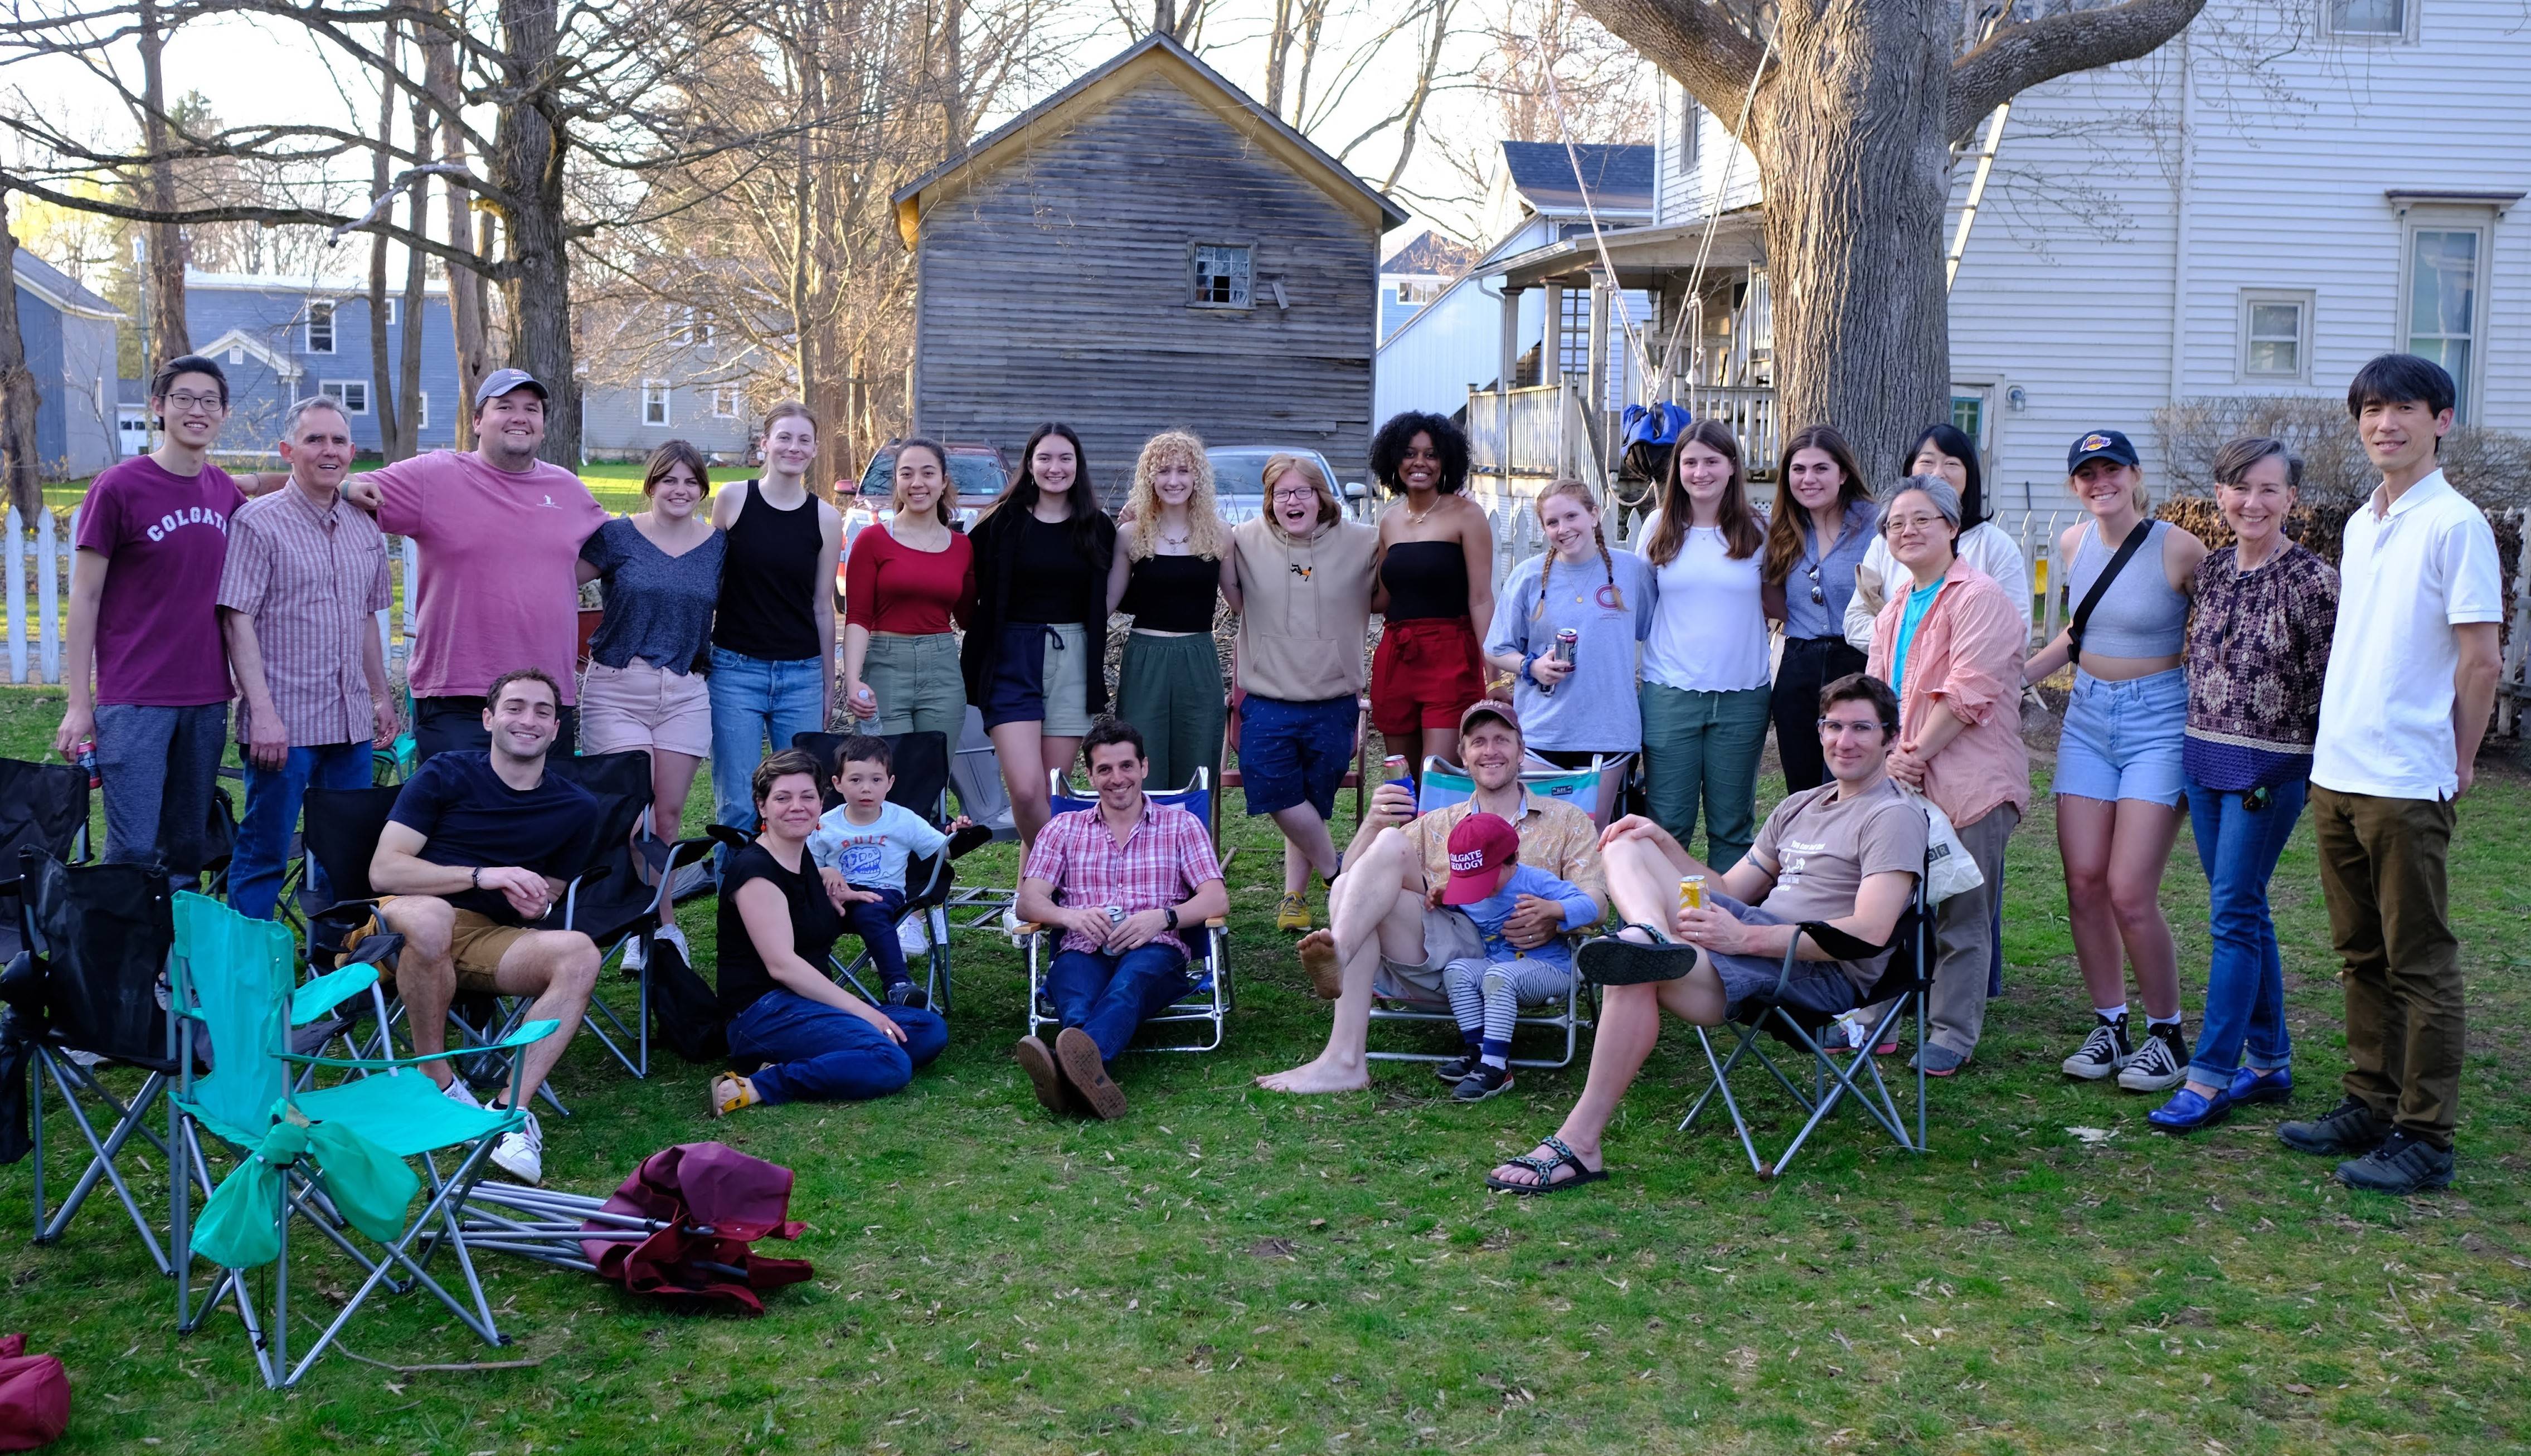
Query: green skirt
{"type": "Point", "coordinates": [1170, 687]}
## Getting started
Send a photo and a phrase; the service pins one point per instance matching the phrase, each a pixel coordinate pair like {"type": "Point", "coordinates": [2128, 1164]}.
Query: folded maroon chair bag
{"type": "Point", "coordinates": [716, 1201]}
{"type": "Point", "coordinates": [34, 1396]}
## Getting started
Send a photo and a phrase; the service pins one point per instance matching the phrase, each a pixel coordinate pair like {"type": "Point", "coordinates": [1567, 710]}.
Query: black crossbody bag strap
{"type": "Point", "coordinates": [2100, 587]}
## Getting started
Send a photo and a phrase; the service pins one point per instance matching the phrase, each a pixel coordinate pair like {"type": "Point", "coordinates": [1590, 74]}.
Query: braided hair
{"type": "Point", "coordinates": [1580, 493]}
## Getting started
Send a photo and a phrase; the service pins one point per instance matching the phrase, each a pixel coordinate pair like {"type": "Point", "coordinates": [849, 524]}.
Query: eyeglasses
{"type": "Point", "coordinates": [1816, 596]}
{"type": "Point", "coordinates": [186, 402]}
{"type": "Point", "coordinates": [1840, 727]}
{"type": "Point", "coordinates": [1895, 527]}
{"type": "Point", "coordinates": [1304, 493]}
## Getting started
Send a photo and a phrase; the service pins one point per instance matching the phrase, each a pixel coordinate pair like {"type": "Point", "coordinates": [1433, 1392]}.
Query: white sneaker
{"type": "Point", "coordinates": [672, 935]}
{"type": "Point", "coordinates": [633, 954]}
{"type": "Point", "coordinates": [1011, 922]}
{"type": "Point", "coordinates": [522, 1153]}
{"type": "Point", "coordinates": [912, 938]}
{"type": "Point", "coordinates": [458, 1092]}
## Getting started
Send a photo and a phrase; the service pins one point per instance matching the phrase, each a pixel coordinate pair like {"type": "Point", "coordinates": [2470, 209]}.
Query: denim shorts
{"type": "Point", "coordinates": [1292, 754]}
{"type": "Point", "coordinates": [2124, 740]}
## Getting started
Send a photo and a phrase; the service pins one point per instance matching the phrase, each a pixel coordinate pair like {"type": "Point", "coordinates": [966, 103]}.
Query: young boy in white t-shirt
{"type": "Point", "coordinates": [860, 847]}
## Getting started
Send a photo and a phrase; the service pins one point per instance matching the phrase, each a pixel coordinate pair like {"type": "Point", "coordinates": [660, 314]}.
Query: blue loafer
{"type": "Point", "coordinates": [2248, 1087]}
{"type": "Point", "coordinates": [2186, 1112]}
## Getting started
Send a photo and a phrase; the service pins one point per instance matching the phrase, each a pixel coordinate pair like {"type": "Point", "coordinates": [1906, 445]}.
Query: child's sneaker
{"type": "Point", "coordinates": [907, 994]}
{"type": "Point", "coordinates": [1456, 1068]}
{"type": "Point", "coordinates": [1483, 1082]}
{"type": "Point", "coordinates": [912, 938]}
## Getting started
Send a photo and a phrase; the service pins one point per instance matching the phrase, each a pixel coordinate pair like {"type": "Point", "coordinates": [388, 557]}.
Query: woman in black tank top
{"type": "Point", "coordinates": [773, 635]}
{"type": "Point", "coordinates": [1435, 585]}
{"type": "Point", "coordinates": [1173, 561]}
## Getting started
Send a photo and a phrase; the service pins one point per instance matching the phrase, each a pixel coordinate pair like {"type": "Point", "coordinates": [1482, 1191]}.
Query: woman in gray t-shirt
{"type": "Point", "coordinates": [1571, 712]}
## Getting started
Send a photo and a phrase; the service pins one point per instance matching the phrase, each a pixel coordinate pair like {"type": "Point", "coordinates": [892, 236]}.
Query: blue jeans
{"type": "Point", "coordinates": [272, 797]}
{"type": "Point", "coordinates": [824, 1053]}
{"type": "Point", "coordinates": [2245, 983]}
{"type": "Point", "coordinates": [1108, 995]}
{"type": "Point", "coordinates": [874, 921]}
{"type": "Point", "coordinates": [752, 701]}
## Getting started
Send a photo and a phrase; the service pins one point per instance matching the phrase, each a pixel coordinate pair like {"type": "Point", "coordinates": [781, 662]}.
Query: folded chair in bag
{"type": "Point", "coordinates": [43, 807]}
{"type": "Point", "coordinates": [1207, 1002]}
{"type": "Point", "coordinates": [96, 937]}
{"type": "Point", "coordinates": [1905, 979]}
{"type": "Point", "coordinates": [333, 1157]}
{"type": "Point", "coordinates": [34, 1396]}
{"type": "Point", "coordinates": [919, 764]}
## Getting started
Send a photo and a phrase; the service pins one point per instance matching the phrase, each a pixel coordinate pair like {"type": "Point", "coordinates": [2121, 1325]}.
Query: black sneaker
{"type": "Point", "coordinates": [2104, 1053]}
{"type": "Point", "coordinates": [2349, 1131]}
{"type": "Point", "coordinates": [1481, 1082]}
{"type": "Point", "coordinates": [2158, 1065]}
{"type": "Point", "coordinates": [1456, 1068]}
{"type": "Point", "coordinates": [2404, 1164]}
{"type": "Point", "coordinates": [907, 994]}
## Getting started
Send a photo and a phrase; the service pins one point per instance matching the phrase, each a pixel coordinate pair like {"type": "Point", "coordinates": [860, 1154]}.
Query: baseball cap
{"type": "Point", "coordinates": [1480, 845]}
{"type": "Point", "coordinates": [501, 382]}
{"type": "Point", "coordinates": [2100, 444]}
{"type": "Point", "coordinates": [1489, 706]}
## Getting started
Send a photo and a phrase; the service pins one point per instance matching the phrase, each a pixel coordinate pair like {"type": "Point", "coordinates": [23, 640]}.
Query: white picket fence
{"type": "Point", "coordinates": [38, 565]}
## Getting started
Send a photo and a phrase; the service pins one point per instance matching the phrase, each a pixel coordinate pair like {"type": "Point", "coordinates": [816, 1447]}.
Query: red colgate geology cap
{"type": "Point", "coordinates": [1480, 845]}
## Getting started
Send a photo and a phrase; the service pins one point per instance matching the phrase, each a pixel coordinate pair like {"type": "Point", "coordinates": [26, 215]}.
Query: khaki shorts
{"type": "Point", "coordinates": [1448, 936]}
{"type": "Point", "coordinates": [641, 707]}
{"type": "Point", "coordinates": [475, 944]}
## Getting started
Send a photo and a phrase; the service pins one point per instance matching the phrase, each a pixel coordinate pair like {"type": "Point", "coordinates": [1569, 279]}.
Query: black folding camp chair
{"type": "Point", "coordinates": [1905, 978]}
{"type": "Point", "coordinates": [44, 806]}
{"type": "Point", "coordinates": [919, 764]}
{"type": "Point", "coordinates": [83, 999]}
{"type": "Point", "coordinates": [608, 900]}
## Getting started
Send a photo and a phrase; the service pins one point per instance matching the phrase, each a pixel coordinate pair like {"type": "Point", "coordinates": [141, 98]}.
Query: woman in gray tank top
{"type": "Point", "coordinates": [2118, 780]}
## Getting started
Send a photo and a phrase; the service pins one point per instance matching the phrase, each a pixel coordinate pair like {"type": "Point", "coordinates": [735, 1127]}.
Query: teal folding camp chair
{"type": "Point", "coordinates": [332, 1155]}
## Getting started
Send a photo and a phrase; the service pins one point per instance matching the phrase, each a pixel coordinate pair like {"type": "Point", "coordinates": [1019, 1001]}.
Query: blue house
{"type": "Point", "coordinates": [69, 334]}
{"type": "Point", "coordinates": [280, 339]}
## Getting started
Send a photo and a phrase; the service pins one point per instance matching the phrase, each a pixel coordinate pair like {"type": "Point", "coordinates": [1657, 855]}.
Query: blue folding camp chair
{"type": "Point", "coordinates": [332, 1156]}
{"type": "Point", "coordinates": [1209, 1001]}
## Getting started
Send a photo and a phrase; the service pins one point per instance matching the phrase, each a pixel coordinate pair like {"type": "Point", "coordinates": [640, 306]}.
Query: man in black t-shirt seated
{"type": "Point", "coordinates": [475, 852]}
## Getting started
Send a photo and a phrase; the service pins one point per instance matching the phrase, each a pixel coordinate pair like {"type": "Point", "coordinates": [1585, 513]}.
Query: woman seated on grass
{"type": "Point", "coordinates": [815, 1042]}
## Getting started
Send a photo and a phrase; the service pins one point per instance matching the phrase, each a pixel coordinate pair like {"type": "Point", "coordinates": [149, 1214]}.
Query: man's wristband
{"type": "Point", "coordinates": [1171, 912]}
{"type": "Point", "coordinates": [475, 877]}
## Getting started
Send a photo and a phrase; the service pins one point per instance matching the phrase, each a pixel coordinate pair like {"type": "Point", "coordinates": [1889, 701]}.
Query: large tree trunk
{"type": "Point", "coordinates": [1855, 165]}
{"type": "Point", "coordinates": [169, 333]}
{"type": "Point", "coordinates": [528, 164]}
{"type": "Point", "coordinates": [17, 397]}
{"type": "Point", "coordinates": [465, 287]}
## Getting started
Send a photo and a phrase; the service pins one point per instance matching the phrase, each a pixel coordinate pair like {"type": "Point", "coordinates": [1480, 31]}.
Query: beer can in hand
{"type": "Point", "coordinates": [1566, 640]}
{"type": "Point", "coordinates": [1691, 893]}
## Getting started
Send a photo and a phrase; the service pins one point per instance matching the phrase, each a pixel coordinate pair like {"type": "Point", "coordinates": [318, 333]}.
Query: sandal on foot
{"type": "Point", "coordinates": [1610, 960]}
{"type": "Point", "coordinates": [1544, 1169]}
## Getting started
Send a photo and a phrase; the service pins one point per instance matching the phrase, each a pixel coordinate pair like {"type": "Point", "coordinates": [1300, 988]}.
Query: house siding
{"type": "Point", "coordinates": [1055, 287]}
{"type": "Point", "coordinates": [1455, 341]}
{"type": "Point", "coordinates": [612, 425]}
{"type": "Point", "coordinates": [71, 357]}
{"type": "Point", "coordinates": [274, 314]}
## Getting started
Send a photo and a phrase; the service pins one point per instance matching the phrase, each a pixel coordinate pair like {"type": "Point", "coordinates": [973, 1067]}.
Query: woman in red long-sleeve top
{"type": "Point", "coordinates": [907, 584]}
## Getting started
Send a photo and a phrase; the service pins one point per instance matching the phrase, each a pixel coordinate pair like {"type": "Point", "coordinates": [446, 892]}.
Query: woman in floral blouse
{"type": "Point", "coordinates": [2257, 651]}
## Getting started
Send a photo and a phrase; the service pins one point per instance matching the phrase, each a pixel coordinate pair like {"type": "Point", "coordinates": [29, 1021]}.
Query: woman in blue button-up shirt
{"type": "Point", "coordinates": [1824, 521]}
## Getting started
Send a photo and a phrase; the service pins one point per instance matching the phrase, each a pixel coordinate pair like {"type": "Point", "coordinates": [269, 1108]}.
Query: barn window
{"type": "Point", "coordinates": [1224, 274]}
{"type": "Point", "coordinates": [321, 328]}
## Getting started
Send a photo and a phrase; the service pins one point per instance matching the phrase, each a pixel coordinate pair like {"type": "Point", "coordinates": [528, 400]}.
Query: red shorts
{"type": "Point", "coordinates": [1423, 675]}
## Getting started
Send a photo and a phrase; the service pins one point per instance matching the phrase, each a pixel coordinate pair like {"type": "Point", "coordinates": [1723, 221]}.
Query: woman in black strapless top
{"type": "Point", "coordinates": [1173, 561]}
{"type": "Point", "coordinates": [1435, 585]}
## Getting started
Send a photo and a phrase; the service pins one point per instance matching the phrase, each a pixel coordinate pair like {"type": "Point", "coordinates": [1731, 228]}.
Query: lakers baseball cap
{"type": "Point", "coordinates": [2100, 444]}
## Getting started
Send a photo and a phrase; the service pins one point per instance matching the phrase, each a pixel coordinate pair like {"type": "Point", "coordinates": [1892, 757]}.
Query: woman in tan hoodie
{"type": "Point", "coordinates": [1305, 582]}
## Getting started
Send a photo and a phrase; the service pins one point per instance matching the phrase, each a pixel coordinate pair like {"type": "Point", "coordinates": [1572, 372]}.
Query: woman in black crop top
{"type": "Point", "coordinates": [1172, 559]}
{"type": "Point", "coordinates": [1436, 582]}
{"type": "Point", "coordinates": [810, 1039]}
{"type": "Point", "coordinates": [1034, 659]}
{"type": "Point", "coordinates": [773, 635]}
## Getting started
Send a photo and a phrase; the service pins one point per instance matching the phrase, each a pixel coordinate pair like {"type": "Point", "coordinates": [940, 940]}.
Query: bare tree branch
{"type": "Point", "coordinates": [1698, 42]}
{"type": "Point", "coordinates": [2016, 58]}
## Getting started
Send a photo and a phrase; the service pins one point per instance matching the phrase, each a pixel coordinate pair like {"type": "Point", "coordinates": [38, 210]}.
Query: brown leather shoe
{"type": "Point", "coordinates": [1086, 1071]}
{"type": "Point", "coordinates": [1318, 959]}
{"type": "Point", "coordinates": [1038, 1064]}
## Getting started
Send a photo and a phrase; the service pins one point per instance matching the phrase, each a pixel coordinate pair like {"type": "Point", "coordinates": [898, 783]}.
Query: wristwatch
{"type": "Point", "coordinates": [1171, 912]}
{"type": "Point", "coordinates": [474, 877]}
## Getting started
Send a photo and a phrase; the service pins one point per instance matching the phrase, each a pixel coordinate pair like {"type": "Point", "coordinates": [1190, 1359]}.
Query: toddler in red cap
{"type": "Point", "coordinates": [1486, 884]}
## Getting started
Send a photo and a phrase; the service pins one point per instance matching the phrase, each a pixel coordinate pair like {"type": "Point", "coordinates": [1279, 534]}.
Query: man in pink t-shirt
{"type": "Point", "coordinates": [499, 533]}
{"type": "Point", "coordinates": [152, 539]}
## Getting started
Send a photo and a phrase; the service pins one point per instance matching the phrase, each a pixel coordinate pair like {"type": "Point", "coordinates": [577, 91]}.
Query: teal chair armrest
{"type": "Point", "coordinates": [319, 996]}
{"type": "Point", "coordinates": [525, 1035]}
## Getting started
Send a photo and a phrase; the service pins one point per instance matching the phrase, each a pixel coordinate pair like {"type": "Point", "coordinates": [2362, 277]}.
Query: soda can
{"type": "Point", "coordinates": [1566, 640]}
{"type": "Point", "coordinates": [1116, 915]}
{"type": "Point", "coordinates": [87, 761]}
{"type": "Point", "coordinates": [1691, 893]}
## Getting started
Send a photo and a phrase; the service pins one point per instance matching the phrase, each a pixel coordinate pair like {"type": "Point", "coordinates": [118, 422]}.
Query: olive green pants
{"type": "Point", "coordinates": [917, 684]}
{"type": "Point", "coordinates": [1170, 687]}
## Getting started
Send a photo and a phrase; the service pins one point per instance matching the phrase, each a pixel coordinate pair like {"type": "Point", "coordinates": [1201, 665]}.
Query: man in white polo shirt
{"type": "Point", "coordinates": [2411, 680]}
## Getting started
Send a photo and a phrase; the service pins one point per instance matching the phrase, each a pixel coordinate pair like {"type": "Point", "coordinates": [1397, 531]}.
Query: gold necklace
{"type": "Point", "coordinates": [1415, 518]}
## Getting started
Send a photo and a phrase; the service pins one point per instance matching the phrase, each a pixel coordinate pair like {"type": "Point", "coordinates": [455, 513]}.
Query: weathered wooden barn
{"type": "Point", "coordinates": [1146, 248]}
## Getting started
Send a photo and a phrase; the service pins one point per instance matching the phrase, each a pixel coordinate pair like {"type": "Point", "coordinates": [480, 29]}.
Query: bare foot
{"type": "Point", "coordinates": [1321, 1075]}
{"type": "Point", "coordinates": [1319, 957]}
{"type": "Point", "coordinates": [1520, 1175]}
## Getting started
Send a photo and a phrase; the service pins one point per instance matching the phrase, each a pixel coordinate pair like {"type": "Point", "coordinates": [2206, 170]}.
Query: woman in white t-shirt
{"type": "Point", "coordinates": [1945, 451]}
{"type": "Point", "coordinates": [1704, 696]}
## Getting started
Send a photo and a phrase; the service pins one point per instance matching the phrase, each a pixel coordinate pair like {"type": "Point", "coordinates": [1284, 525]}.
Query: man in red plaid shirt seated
{"type": "Point", "coordinates": [1121, 881]}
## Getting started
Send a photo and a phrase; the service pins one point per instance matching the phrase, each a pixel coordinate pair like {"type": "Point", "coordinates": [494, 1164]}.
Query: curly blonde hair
{"type": "Point", "coordinates": [1207, 536]}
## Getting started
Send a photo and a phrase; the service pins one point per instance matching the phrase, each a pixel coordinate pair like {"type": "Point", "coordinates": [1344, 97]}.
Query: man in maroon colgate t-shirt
{"type": "Point", "coordinates": [152, 539]}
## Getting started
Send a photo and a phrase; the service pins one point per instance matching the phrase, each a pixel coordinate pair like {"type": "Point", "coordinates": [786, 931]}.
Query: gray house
{"type": "Point", "coordinates": [653, 372]}
{"type": "Point", "coordinates": [1146, 248]}
{"type": "Point", "coordinates": [69, 334]}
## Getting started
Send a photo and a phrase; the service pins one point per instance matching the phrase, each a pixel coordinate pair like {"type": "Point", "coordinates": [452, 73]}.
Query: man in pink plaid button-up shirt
{"type": "Point", "coordinates": [1151, 863]}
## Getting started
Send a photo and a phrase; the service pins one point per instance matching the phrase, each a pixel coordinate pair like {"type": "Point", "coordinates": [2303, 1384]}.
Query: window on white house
{"type": "Point", "coordinates": [1225, 275]}
{"type": "Point", "coordinates": [724, 401]}
{"type": "Point", "coordinates": [2275, 335]}
{"type": "Point", "coordinates": [2443, 294]}
{"type": "Point", "coordinates": [321, 328]}
{"type": "Point", "coordinates": [351, 393]}
{"type": "Point", "coordinates": [2385, 18]}
{"type": "Point", "coordinates": [655, 402]}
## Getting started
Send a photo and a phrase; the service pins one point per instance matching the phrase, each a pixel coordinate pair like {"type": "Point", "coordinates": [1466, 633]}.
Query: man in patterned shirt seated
{"type": "Point", "coordinates": [1121, 881]}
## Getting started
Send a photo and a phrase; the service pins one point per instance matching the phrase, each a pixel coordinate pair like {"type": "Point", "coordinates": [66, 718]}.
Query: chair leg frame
{"type": "Point", "coordinates": [1216, 1014]}
{"type": "Point", "coordinates": [72, 1079]}
{"type": "Point", "coordinates": [1832, 1082]}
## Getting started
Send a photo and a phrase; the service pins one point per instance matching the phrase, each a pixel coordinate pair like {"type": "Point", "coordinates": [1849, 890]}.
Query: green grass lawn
{"type": "Point", "coordinates": [1226, 1270]}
